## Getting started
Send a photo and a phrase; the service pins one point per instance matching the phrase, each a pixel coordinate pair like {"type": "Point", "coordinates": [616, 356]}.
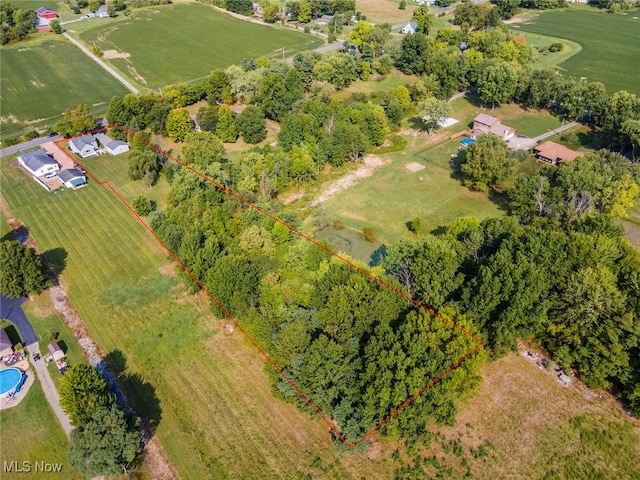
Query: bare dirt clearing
{"type": "Point", "coordinates": [366, 169]}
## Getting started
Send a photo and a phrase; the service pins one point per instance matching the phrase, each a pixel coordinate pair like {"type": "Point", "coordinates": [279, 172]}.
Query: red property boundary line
{"type": "Point", "coordinates": [231, 193]}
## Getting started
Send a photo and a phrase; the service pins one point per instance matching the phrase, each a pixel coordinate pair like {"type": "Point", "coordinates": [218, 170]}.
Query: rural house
{"type": "Point", "coordinates": [45, 15]}
{"type": "Point", "coordinates": [72, 178]}
{"type": "Point", "coordinates": [410, 28]}
{"type": "Point", "coordinates": [38, 163]}
{"type": "Point", "coordinates": [484, 123]}
{"type": "Point", "coordinates": [6, 347]}
{"type": "Point", "coordinates": [113, 147]}
{"type": "Point", "coordinates": [85, 146]}
{"type": "Point", "coordinates": [324, 20]}
{"type": "Point", "coordinates": [554, 153]}
{"type": "Point", "coordinates": [102, 12]}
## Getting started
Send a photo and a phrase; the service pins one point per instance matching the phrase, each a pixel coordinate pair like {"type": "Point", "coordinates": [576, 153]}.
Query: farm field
{"type": "Point", "coordinates": [205, 390]}
{"type": "Point", "coordinates": [609, 44]}
{"type": "Point", "coordinates": [171, 44]}
{"type": "Point", "coordinates": [39, 79]}
{"type": "Point", "coordinates": [30, 431]}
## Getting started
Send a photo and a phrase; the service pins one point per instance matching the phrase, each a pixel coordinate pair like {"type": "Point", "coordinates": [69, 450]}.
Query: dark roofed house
{"type": "Point", "coordinates": [554, 153]}
{"type": "Point", "coordinates": [85, 146]}
{"type": "Point", "coordinates": [6, 347]}
{"type": "Point", "coordinates": [72, 178]}
{"type": "Point", "coordinates": [484, 123]}
{"type": "Point", "coordinates": [38, 163]}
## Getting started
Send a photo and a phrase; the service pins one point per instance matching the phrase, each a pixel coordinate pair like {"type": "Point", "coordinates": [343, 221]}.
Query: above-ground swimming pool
{"type": "Point", "coordinates": [9, 380]}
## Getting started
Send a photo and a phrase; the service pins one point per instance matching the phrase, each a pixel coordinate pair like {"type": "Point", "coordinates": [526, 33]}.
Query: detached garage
{"type": "Point", "coordinates": [72, 178]}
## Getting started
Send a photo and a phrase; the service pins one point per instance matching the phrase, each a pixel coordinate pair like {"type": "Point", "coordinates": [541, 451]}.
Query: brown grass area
{"type": "Point", "coordinates": [385, 10]}
{"type": "Point", "coordinates": [518, 408]}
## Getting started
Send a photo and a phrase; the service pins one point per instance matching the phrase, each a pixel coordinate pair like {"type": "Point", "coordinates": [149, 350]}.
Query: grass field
{"type": "Point", "coordinates": [39, 79]}
{"type": "Point", "coordinates": [543, 42]}
{"type": "Point", "coordinates": [31, 432]}
{"type": "Point", "coordinates": [184, 42]}
{"type": "Point", "coordinates": [205, 390]}
{"type": "Point", "coordinates": [609, 44]}
{"type": "Point", "coordinates": [394, 195]}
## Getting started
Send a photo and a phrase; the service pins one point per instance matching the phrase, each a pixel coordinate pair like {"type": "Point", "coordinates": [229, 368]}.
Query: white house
{"type": "Point", "coordinates": [102, 12]}
{"type": "Point", "coordinates": [113, 147]}
{"type": "Point", "coordinates": [410, 28]}
{"type": "Point", "coordinates": [38, 163]}
{"type": "Point", "coordinates": [72, 178]}
{"type": "Point", "coordinates": [85, 146]}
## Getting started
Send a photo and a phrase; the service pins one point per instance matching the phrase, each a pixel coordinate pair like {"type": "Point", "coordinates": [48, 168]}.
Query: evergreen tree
{"type": "Point", "coordinates": [226, 127]}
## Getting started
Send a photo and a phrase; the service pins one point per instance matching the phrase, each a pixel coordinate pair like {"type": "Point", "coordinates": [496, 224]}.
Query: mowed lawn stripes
{"type": "Point", "coordinates": [169, 44]}
{"type": "Point", "coordinates": [41, 79]}
{"type": "Point", "coordinates": [610, 44]}
{"type": "Point", "coordinates": [218, 416]}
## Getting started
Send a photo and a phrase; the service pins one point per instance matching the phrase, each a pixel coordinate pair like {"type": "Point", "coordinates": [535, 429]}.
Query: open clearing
{"type": "Point", "coordinates": [171, 44]}
{"type": "Point", "coordinates": [609, 44]}
{"type": "Point", "coordinates": [40, 79]}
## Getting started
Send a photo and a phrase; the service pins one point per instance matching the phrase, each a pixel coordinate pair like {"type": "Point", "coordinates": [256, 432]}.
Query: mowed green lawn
{"type": "Point", "coordinates": [206, 390]}
{"type": "Point", "coordinates": [40, 79]}
{"type": "Point", "coordinates": [610, 44]}
{"type": "Point", "coordinates": [393, 195]}
{"type": "Point", "coordinates": [170, 44]}
{"type": "Point", "coordinates": [31, 432]}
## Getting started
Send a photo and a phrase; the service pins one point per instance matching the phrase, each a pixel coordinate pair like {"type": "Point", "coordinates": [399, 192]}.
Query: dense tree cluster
{"type": "Point", "coordinates": [106, 439]}
{"type": "Point", "coordinates": [16, 23]}
{"type": "Point", "coordinates": [355, 348]}
{"type": "Point", "coordinates": [76, 122]}
{"type": "Point", "coordinates": [22, 273]}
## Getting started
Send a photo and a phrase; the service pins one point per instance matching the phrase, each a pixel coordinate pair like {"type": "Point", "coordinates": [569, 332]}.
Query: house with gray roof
{"type": "Point", "coordinates": [85, 146]}
{"type": "Point", "coordinates": [113, 147]}
{"type": "Point", "coordinates": [72, 178]}
{"type": "Point", "coordinates": [38, 163]}
{"type": "Point", "coordinates": [410, 28]}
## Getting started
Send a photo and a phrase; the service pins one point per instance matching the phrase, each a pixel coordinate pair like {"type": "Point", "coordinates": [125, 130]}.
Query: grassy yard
{"type": "Point", "coordinates": [543, 42]}
{"type": "Point", "coordinates": [609, 44]}
{"type": "Point", "coordinates": [205, 390]}
{"type": "Point", "coordinates": [171, 44]}
{"type": "Point", "coordinates": [394, 195]}
{"type": "Point", "coordinates": [39, 79]}
{"type": "Point", "coordinates": [30, 433]}
{"type": "Point", "coordinates": [524, 424]}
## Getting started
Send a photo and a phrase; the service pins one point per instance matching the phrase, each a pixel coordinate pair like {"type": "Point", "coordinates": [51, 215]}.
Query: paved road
{"type": "Point", "coordinates": [36, 142]}
{"type": "Point", "coordinates": [115, 74]}
{"type": "Point", "coordinates": [11, 309]}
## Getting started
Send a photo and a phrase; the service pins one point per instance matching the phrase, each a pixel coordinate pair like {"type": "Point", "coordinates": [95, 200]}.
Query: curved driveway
{"type": "Point", "coordinates": [11, 309]}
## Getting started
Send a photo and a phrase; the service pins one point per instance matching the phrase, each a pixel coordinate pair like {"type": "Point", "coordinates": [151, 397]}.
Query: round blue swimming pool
{"type": "Point", "coordinates": [9, 378]}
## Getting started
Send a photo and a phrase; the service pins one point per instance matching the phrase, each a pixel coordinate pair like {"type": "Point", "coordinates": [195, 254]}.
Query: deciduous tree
{"type": "Point", "coordinates": [22, 272]}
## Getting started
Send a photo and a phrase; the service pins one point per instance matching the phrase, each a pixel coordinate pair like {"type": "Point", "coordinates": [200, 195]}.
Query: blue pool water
{"type": "Point", "coordinates": [9, 378]}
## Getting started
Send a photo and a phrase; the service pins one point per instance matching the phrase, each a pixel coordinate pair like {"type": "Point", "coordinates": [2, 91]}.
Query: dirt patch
{"type": "Point", "coordinates": [9, 119]}
{"type": "Point", "coordinates": [414, 167]}
{"type": "Point", "coordinates": [373, 451]}
{"type": "Point", "coordinates": [110, 54]}
{"type": "Point", "coordinates": [136, 75]}
{"type": "Point", "coordinates": [168, 270]}
{"type": "Point", "coordinates": [292, 197]}
{"type": "Point", "coordinates": [37, 83]}
{"type": "Point", "coordinates": [366, 169]}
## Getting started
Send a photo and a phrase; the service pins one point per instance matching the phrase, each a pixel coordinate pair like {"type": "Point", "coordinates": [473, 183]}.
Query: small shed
{"type": "Point", "coordinates": [564, 379]}
{"type": "Point", "coordinates": [55, 351]}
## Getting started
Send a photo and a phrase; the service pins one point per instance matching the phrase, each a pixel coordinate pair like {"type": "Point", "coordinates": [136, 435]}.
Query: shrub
{"type": "Point", "coordinates": [415, 225]}
{"type": "Point", "coordinates": [143, 206]}
{"type": "Point", "coordinates": [338, 225]}
{"type": "Point", "coordinates": [31, 135]}
{"type": "Point", "coordinates": [556, 47]}
{"type": "Point", "coordinates": [369, 234]}
{"type": "Point", "coordinates": [7, 142]}
{"type": "Point", "coordinates": [402, 5]}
